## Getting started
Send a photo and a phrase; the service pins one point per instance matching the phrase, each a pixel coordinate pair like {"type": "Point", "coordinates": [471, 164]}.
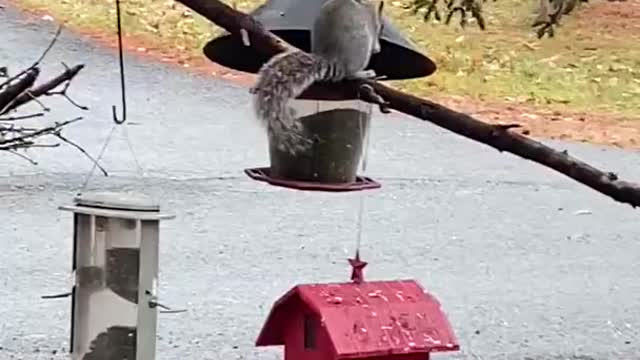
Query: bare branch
{"type": "Point", "coordinates": [47, 88]}
{"type": "Point", "coordinates": [22, 117]}
{"type": "Point", "coordinates": [9, 95]}
{"type": "Point", "coordinates": [26, 137]}
{"type": "Point", "coordinates": [95, 162]}
{"type": "Point", "coordinates": [35, 64]}
{"type": "Point", "coordinates": [43, 131]}
{"type": "Point", "coordinates": [17, 90]}
{"type": "Point", "coordinates": [503, 140]}
{"type": "Point", "coordinates": [25, 157]}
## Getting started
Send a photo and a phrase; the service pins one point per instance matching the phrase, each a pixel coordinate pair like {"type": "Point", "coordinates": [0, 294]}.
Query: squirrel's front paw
{"type": "Point", "coordinates": [364, 74]}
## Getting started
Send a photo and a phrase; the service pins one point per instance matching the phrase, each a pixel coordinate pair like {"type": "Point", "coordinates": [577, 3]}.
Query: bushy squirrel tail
{"type": "Point", "coordinates": [284, 77]}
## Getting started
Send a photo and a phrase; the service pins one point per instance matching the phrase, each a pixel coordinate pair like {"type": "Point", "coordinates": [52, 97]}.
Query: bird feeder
{"type": "Point", "coordinates": [115, 263]}
{"type": "Point", "coordinates": [377, 320]}
{"type": "Point", "coordinates": [337, 123]}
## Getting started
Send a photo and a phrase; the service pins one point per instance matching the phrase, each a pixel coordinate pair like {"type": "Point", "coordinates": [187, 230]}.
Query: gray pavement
{"type": "Point", "coordinates": [500, 241]}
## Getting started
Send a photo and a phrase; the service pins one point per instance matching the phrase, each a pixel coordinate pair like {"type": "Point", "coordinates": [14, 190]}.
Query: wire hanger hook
{"type": "Point", "coordinates": [122, 85]}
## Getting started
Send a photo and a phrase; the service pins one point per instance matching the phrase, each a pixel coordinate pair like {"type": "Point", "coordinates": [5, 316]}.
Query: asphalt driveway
{"type": "Point", "coordinates": [523, 271]}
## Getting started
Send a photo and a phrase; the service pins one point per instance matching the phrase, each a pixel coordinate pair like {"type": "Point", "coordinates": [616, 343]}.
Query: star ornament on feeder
{"type": "Point", "coordinates": [381, 320]}
{"type": "Point", "coordinates": [357, 272]}
{"type": "Point", "coordinates": [115, 262]}
{"type": "Point", "coordinates": [338, 124]}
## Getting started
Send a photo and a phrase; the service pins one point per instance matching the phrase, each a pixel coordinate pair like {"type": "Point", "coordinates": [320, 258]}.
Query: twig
{"type": "Point", "coordinates": [95, 162]}
{"type": "Point", "coordinates": [14, 129]}
{"type": "Point", "coordinates": [35, 64]}
{"type": "Point", "coordinates": [48, 146]}
{"type": "Point", "coordinates": [25, 157]}
{"type": "Point", "coordinates": [461, 124]}
{"type": "Point", "coordinates": [29, 95]}
{"type": "Point", "coordinates": [22, 117]}
{"type": "Point", "coordinates": [44, 131]}
{"type": "Point", "coordinates": [46, 89]}
{"type": "Point", "coordinates": [13, 95]}
{"type": "Point", "coordinates": [27, 145]}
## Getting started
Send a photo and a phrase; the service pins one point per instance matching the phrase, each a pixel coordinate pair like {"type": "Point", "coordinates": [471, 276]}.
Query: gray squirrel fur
{"type": "Point", "coordinates": [344, 36]}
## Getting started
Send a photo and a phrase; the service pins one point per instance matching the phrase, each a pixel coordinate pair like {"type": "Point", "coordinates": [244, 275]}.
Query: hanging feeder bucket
{"type": "Point", "coordinates": [338, 129]}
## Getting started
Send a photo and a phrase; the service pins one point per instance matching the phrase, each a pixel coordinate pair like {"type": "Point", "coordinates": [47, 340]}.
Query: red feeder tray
{"type": "Point", "coordinates": [263, 174]}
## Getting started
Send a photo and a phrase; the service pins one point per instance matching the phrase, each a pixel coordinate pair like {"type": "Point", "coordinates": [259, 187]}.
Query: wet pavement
{"type": "Point", "coordinates": [522, 270]}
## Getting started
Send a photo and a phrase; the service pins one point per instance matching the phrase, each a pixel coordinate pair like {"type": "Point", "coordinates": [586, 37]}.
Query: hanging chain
{"type": "Point", "coordinates": [363, 124]}
{"type": "Point", "coordinates": [116, 120]}
{"type": "Point", "coordinates": [95, 163]}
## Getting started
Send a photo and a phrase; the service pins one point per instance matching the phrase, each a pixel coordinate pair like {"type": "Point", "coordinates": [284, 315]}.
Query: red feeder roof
{"type": "Point", "coordinates": [368, 319]}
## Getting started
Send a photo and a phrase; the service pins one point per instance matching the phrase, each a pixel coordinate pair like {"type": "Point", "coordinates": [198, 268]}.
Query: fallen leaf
{"type": "Point", "coordinates": [530, 116]}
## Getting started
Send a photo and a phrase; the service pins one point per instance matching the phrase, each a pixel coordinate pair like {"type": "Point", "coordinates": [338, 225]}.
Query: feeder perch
{"type": "Point", "coordinates": [376, 320]}
{"type": "Point", "coordinates": [336, 122]}
{"type": "Point", "coordinates": [115, 263]}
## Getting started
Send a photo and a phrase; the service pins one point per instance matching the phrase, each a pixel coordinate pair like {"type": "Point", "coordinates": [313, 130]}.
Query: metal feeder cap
{"type": "Point", "coordinates": [117, 201]}
{"type": "Point", "coordinates": [291, 20]}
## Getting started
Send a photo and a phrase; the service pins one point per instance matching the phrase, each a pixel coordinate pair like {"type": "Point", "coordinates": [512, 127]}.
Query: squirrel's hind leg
{"type": "Point", "coordinates": [289, 134]}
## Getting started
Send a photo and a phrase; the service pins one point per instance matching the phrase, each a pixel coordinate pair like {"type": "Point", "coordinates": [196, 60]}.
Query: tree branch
{"type": "Point", "coordinates": [21, 117]}
{"type": "Point", "coordinates": [492, 135]}
{"type": "Point", "coordinates": [37, 62]}
{"type": "Point", "coordinates": [47, 87]}
{"type": "Point", "coordinates": [25, 139]}
{"type": "Point", "coordinates": [9, 94]}
{"type": "Point", "coordinates": [235, 22]}
{"type": "Point", "coordinates": [17, 90]}
{"type": "Point", "coordinates": [503, 140]}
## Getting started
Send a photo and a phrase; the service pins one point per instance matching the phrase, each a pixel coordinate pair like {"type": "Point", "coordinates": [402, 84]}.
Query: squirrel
{"type": "Point", "coordinates": [344, 36]}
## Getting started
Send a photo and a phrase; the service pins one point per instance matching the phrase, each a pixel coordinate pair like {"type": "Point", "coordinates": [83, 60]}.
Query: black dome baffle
{"type": "Point", "coordinates": [291, 20]}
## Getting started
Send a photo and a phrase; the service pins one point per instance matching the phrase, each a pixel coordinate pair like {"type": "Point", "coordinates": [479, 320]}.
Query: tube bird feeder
{"type": "Point", "coordinates": [115, 263]}
{"type": "Point", "coordinates": [337, 123]}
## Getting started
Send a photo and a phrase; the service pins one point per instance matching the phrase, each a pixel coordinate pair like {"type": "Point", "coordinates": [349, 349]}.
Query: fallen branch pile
{"type": "Point", "coordinates": [496, 136]}
{"type": "Point", "coordinates": [19, 90]}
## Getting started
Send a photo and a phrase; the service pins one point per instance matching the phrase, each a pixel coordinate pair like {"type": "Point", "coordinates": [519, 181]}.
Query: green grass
{"type": "Point", "coordinates": [580, 69]}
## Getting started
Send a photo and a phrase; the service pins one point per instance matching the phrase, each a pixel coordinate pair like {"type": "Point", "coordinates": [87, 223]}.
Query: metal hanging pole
{"type": "Point", "coordinates": [122, 85]}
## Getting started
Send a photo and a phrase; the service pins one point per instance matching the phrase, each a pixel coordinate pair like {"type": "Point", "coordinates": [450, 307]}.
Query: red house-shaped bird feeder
{"type": "Point", "coordinates": [378, 320]}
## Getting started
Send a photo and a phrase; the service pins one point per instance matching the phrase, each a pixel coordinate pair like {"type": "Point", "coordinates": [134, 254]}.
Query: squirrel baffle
{"type": "Point", "coordinates": [292, 20]}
